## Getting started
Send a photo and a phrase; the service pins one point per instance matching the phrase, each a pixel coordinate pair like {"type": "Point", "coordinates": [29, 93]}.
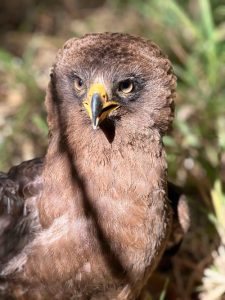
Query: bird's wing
{"type": "Point", "coordinates": [19, 189]}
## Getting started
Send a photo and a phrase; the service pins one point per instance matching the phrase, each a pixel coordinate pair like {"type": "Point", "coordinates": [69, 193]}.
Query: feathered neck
{"type": "Point", "coordinates": [89, 164]}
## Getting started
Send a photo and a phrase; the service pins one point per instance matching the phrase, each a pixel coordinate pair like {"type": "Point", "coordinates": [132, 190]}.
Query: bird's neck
{"type": "Point", "coordinates": [96, 171]}
{"type": "Point", "coordinates": [113, 196]}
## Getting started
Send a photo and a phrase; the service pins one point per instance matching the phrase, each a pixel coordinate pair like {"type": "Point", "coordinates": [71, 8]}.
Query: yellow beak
{"type": "Point", "coordinates": [97, 104]}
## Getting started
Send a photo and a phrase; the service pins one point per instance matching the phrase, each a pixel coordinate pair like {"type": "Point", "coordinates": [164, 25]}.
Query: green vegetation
{"type": "Point", "coordinates": [23, 120]}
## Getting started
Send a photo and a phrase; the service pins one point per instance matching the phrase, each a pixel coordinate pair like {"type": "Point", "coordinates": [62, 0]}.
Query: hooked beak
{"type": "Point", "coordinates": [97, 104]}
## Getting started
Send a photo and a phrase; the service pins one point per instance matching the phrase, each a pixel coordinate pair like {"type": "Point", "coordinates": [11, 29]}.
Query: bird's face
{"type": "Point", "coordinates": [114, 77]}
{"type": "Point", "coordinates": [107, 94]}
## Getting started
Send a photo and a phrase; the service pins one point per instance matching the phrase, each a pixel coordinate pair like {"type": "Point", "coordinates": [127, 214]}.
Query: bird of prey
{"type": "Point", "coordinates": [92, 219]}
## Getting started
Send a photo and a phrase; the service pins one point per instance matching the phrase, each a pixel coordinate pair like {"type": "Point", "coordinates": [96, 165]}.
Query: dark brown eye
{"type": "Point", "coordinates": [126, 86]}
{"type": "Point", "coordinates": [78, 84]}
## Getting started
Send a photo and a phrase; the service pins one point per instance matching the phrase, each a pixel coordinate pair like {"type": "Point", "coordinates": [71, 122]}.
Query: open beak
{"type": "Point", "coordinates": [97, 104]}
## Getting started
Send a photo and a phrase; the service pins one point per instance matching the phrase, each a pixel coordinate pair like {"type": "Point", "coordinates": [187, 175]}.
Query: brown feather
{"type": "Point", "coordinates": [97, 215]}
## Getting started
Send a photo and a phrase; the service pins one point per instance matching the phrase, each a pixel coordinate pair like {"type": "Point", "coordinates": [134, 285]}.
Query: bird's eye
{"type": "Point", "coordinates": [126, 86]}
{"type": "Point", "coordinates": [78, 84]}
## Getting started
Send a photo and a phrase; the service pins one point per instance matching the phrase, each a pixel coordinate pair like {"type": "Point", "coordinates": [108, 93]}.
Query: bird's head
{"type": "Point", "coordinates": [113, 78]}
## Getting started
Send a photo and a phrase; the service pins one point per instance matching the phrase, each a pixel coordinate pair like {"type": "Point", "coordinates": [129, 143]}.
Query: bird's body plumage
{"type": "Point", "coordinates": [100, 219]}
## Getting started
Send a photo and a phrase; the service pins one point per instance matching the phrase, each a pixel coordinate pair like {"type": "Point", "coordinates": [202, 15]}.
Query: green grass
{"type": "Point", "coordinates": [25, 123]}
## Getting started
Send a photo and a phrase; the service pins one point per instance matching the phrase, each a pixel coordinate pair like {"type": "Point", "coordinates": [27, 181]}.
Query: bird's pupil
{"type": "Point", "coordinates": [80, 82]}
{"type": "Point", "coordinates": [126, 84]}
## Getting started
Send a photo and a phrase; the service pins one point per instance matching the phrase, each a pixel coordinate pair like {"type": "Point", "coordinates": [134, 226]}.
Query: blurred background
{"type": "Point", "coordinates": [192, 34]}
